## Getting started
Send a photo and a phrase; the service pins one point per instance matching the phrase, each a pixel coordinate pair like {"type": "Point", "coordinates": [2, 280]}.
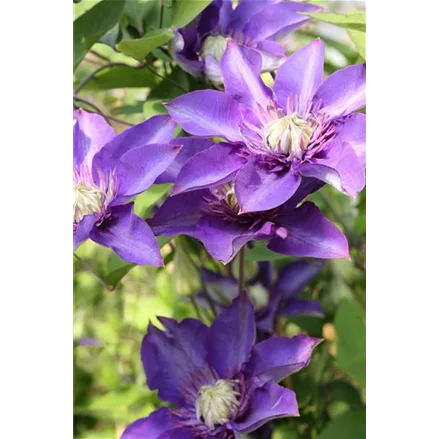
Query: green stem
{"type": "Point", "coordinates": [90, 268]}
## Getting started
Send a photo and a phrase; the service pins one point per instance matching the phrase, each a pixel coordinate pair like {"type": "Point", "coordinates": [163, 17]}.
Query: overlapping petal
{"type": "Point", "coordinates": [223, 239]}
{"type": "Point", "coordinates": [138, 168]}
{"type": "Point", "coordinates": [179, 215]}
{"type": "Point", "coordinates": [211, 167]}
{"type": "Point", "coordinates": [353, 131]}
{"type": "Point", "coordinates": [258, 190]}
{"type": "Point", "coordinates": [157, 129]}
{"type": "Point", "coordinates": [296, 307]}
{"type": "Point", "coordinates": [190, 147]}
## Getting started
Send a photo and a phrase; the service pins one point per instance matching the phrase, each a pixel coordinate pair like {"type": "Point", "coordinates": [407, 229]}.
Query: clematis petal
{"type": "Point", "coordinates": [221, 288]}
{"type": "Point", "coordinates": [257, 189]}
{"type": "Point", "coordinates": [340, 167]}
{"type": "Point", "coordinates": [231, 337]}
{"type": "Point", "coordinates": [224, 239]}
{"type": "Point", "coordinates": [310, 234]}
{"type": "Point", "coordinates": [241, 68]}
{"type": "Point", "coordinates": [151, 427]}
{"type": "Point", "coordinates": [173, 357]}
{"type": "Point", "coordinates": [90, 133]}
{"type": "Point", "coordinates": [190, 147]}
{"type": "Point", "coordinates": [129, 237]}
{"type": "Point", "coordinates": [83, 230]}
{"type": "Point", "coordinates": [269, 402]}
{"type": "Point", "coordinates": [138, 169]}
{"type": "Point", "coordinates": [277, 20]}
{"type": "Point", "coordinates": [295, 276]}
{"type": "Point", "coordinates": [278, 357]}
{"type": "Point", "coordinates": [245, 10]}
{"type": "Point", "coordinates": [179, 215]}
{"type": "Point", "coordinates": [207, 113]}
{"type": "Point", "coordinates": [353, 131]}
{"type": "Point", "coordinates": [157, 129]}
{"type": "Point", "coordinates": [343, 92]}
{"type": "Point", "coordinates": [299, 77]}
{"type": "Point", "coordinates": [211, 167]}
{"type": "Point", "coordinates": [297, 307]}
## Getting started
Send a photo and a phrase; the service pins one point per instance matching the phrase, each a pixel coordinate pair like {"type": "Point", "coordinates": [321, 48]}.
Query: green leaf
{"type": "Point", "coordinates": [165, 288]}
{"type": "Point", "coordinates": [136, 10]}
{"type": "Point", "coordinates": [285, 432]}
{"type": "Point", "coordinates": [350, 324]}
{"type": "Point", "coordinates": [166, 90]}
{"type": "Point", "coordinates": [184, 11]}
{"type": "Point", "coordinates": [152, 107]}
{"type": "Point", "coordinates": [340, 390]}
{"type": "Point", "coordinates": [352, 20]}
{"type": "Point", "coordinates": [116, 269]}
{"type": "Point", "coordinates": [140, 48]}
{"type": "Point", "coordinates": [146, 309]}
{"type": "Point", "coordinates": [146, 200]}
{"type": "Point", "coordinates": [359, 38]}
{"type": "Point", "coordinates": [92, 25]}
{"type": "Point", "coordinates": [121, 77]}
{"type": "Point", "coordinates": [128, 109]}
{"type": "Point", "coordinates": [162, 240]}
{"type": "Point", "coordinates": [115, 404]}
{"type": "Point", "coordinates": [260, 252]}
{"type": "Point", "coordinates": [351, 425]}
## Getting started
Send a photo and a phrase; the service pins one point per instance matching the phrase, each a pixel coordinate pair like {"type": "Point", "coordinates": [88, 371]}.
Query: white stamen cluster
{"type": "Point", "coordinates": [217, 404]}
{"type": "Point", "coordinates": [289, 135]}
{"type": "Point", "coordinates": [87, 200]}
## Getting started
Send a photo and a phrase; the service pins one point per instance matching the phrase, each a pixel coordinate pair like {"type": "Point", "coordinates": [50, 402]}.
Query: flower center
{"type": "Point", "coordinates": [289, 135]}
{"type": "Point", "coordinates": [259, 296]}
{"type": "Point", "coordinates": [217, 404]}
{"type": "Point", "coordinates": [226, 193]}
{"type": "Point", "coordinates": [215, 46]}
{"type": "Point", "coordinates": [87, 200]}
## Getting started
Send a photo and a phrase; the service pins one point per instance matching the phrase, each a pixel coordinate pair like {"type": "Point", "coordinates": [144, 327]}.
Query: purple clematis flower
{"type": "Point", "coordinates": [270, 298]}
{"type": "Point", "coordinates": [221, 382]}
{"type": "Point", "coordinates": [108, 171]}
{"type": "Point", "coordinates": [259, 24]}
{"type": "Point", "coordinates": [305, 127]}
{"type": "Point", "coordinates": [213, 217]}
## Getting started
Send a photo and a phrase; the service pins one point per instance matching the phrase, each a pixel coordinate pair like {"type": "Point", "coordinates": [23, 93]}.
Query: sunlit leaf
{"type": "Point", "coordinates": [140, 48]}
{"type": "Point", "coordinates": [93, 24]}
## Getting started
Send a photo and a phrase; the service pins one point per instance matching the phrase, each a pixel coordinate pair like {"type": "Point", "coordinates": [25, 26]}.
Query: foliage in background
{"type": "Point", "coordinates": [123, 69]}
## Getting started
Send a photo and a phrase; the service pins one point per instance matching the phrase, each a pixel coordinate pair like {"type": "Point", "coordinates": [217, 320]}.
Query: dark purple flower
{"type": "Point", "coordinates": [221, 383]}
{"type": "Point", "coordinates": [305, 127]}
{"type": "Point", "coordinates": [258, 24]}
{"type": "Point", "coordinates": [270, 298]}
{"type": "Point", "coordinates": [213, 217]}
{"type": "Point", "coordinates": [108, 171]}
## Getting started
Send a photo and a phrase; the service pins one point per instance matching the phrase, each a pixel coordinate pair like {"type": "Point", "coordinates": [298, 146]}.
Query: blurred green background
{"type": "Point", "coordinates": [110, 320]}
